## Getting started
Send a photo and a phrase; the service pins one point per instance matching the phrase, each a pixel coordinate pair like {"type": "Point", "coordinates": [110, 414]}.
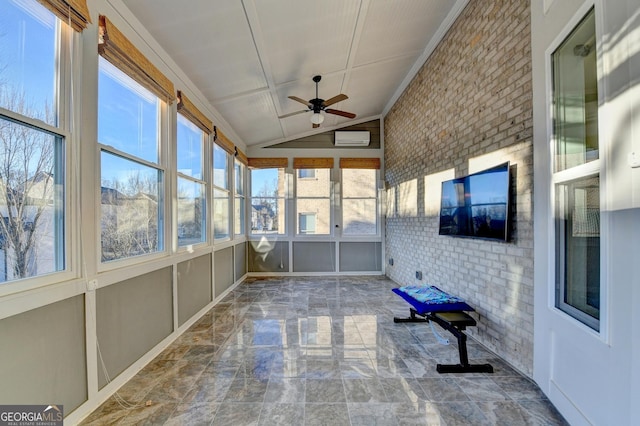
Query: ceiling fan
{"type": "Point", "coordinates": [317, 106]}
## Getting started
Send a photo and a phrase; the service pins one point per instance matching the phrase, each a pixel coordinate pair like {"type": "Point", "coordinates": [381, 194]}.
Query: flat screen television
{"type": "Point", "coordinates": [477, 205]}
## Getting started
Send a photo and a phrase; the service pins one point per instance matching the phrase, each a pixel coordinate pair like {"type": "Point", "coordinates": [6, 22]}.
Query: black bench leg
{"type": "Point", "coordinates": [456, 328]}
{"type": "Point", "coordinates": [464, 366]}
{"type": "Point", "coordinates": [412, 318]}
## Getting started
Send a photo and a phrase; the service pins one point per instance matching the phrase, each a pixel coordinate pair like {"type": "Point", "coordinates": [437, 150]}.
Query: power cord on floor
{"type": "Point", "coordinates": [122, 402]}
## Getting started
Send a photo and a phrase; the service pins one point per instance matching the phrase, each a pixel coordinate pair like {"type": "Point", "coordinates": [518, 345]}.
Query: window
{"type": "Point", "coordinates": [27, 66]}
{"type": "Point", "coordinates": [359, 202]}
{"type": "Point", "coordinates": [577, 174]}
{"type": "Point", "coordinates": [191, 202]}
{"type": "Point", "coordinates": [132, 106]}
{"type": "Point", "coordinates": [33, 140]}
{"type": "Point", "coordinates": [307, 173]}
{"type": "Point", "coordinates": [132, 190]}
{"type": "Point", "coordinates": [239, 203]}
{"type": "Point", "coordinates": [221, 193]}
{"type": "Point", "coordinates": [268, 191]}
{"type": "Point", "coordinates": [313, 197]}
{"type": "Point", "coordinates": [307, 223]}
{"type": "Point", "coordinates": [578, 247]}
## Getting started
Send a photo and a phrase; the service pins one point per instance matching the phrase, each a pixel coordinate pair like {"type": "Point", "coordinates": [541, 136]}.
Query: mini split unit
{"type": "Point", "coordinates": [352, 138]}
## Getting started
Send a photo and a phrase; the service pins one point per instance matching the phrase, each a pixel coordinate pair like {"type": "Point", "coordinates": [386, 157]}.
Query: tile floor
{"type": "Point", "coordinates": [319, 351]}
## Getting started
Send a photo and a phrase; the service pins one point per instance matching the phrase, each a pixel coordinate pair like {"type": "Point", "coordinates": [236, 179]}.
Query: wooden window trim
{"type": "Point", "coordinates": [73, 12]}
{"type": "Point", "coordinates": [223, 141]}
{"type": "Point", "coordinates": [190, 111]}
{"type": "Point", "coordinates": [241, 156]}
{"type": "Point", "coordinates": [118, 50]}
{"type": "Point", "coordinates": [360, 163]}
{"type": "Point", "coordinates": [268, 163]}
{"type": "Point", "coordinates": [313, 163]}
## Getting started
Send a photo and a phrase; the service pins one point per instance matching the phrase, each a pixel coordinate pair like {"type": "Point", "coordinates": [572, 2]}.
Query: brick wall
{"type": "Point", "coordinates": [469, 108]}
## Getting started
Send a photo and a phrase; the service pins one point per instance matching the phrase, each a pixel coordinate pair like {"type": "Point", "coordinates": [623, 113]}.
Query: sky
{"type": "Point", "coordinates": [262, 177]}
{"type": "Point", "coordinates": [27, 51]}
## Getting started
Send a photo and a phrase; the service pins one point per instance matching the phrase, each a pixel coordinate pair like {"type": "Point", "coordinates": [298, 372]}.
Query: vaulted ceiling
{"type": "Point", "coordinates": [247, 56]}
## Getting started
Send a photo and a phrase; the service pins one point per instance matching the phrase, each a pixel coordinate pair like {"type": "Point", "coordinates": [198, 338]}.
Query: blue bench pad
{"type": "Point", "coordinates": [431, 299]}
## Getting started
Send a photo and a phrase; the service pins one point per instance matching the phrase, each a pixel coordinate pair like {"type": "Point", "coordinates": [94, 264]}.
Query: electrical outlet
{"type": "Point", "coordinates": [418, 275]}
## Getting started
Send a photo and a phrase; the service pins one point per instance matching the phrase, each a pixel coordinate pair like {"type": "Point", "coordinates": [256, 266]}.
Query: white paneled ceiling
{"type": "Point", "coordinates": [247, 56]}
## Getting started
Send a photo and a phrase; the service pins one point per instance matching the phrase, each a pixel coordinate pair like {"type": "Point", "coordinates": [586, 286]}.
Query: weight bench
{"type": "Point", "coordinates": [434, 305]}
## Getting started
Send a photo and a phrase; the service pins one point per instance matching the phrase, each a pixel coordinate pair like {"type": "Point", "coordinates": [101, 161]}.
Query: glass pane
{"type": "Point", "coordinates": [239, 216]}
{"type": "Point", "coordinates": [31, 202]}
{"type": "Point", "coordinates": [220, 214]}
{"type": "Point", "coordinates": [131, 210]}
{"type": "Point", "coordinates": [320, 186]}
{"type": "Point", "coordinates": [307, 223]}
{"type": "Point", "coordinates": [268, 189]}
{"type": "Point", "coordinates": [27, 59]}
{"type": "Point", "coordinates": [238, 172]}
{"type": "Point", "coordinates": [359, 216]}
{"type": "Point", "coordinates": [268, 183]}
{"type": "Point", "coordinates": [191, 212]}
{"type": "Point", "coordinates": [307, 173]}
{"type": "Point", "coordinates": [220, 167]}
{"type": "Point", "coordinates": [359, 183]}
{"type": "Point", "coordinates": [267, 216]}
{"type": "Point", "coordinates": [127, 114]}
{"type": "Point", "coordinates": [189, 148]}
{"type": "Point", "coordinates": [575, 97]}
{"type": "Point", "coordinates": [578, 248]}
{"type": "Point", "coordinates": [321, 208]}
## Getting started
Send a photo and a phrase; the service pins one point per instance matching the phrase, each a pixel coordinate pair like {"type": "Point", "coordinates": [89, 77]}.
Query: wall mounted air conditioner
{"type": "Point", "coordinates": [360, 138]}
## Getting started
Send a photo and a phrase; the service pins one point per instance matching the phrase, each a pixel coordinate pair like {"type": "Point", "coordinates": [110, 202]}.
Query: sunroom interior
{"type": "Point", "coordinates": [155, 159]}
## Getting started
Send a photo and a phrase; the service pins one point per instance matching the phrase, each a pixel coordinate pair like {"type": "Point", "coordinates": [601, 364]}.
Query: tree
{"type": "Point", "coordinates": [190, 206]}
{"type": "Point", "coordinates": [129, 223]}
{"type": "Point", "coordinates": [265, 207]}
{"type": "Point", "coordinates": [27, 188]}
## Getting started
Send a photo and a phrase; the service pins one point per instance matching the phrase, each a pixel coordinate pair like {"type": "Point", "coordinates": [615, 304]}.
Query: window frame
{"type": "Point", "coordinates": [329, 198]}
{"type": "Point", "coordinates": [164, 224]}
{"type": "Point", "coordinates": [306, 216]}
{"type": "Point", "coordinates": [66, 83]}
{"type": "Point", "coordinates": [205, 137]}
{"type": "Point", "coordinates": [284, 200]}
{"type": "Point", "coordinates": [377, 232]}
{"type": "Point", "coordinates": [560, 268]}
{"type": "Point", "coordinates": [227, 190]}
{"type": "Point", "coordinates": [242, 195]}
{"type": "Point", "coordinates": [305, 172]}
{"type": "Point", "coordinates": [558, 176]}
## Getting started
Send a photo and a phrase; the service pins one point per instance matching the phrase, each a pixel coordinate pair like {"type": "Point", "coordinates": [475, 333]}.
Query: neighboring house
{"type": "Point", "coordinates": [35, 208]}
{"type": "Point", "coordinates": [262, 217]}
{"type": "Point", "coordinates": [128, 223]}
{"type": "Point", "coordinates": [313, 194]}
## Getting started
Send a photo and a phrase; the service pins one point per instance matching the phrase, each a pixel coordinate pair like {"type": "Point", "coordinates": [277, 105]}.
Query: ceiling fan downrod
{"type": "Point", "coordinates": [317, 105]}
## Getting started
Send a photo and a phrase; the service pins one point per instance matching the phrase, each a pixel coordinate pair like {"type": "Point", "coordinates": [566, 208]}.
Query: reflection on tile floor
{"type": "Point", "coordinates": [320, 351]}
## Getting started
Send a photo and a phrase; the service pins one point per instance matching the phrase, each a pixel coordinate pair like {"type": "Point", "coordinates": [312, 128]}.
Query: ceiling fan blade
{"type": "Point", "coordinates": [293, 113]}
{"type": "Point", "coordinates": [315, 126]}
{"type": "Point", "coordinates": [340, 113]}
{"type": "Point", "coordinates": [335, 99]}
{"type": "Point", "coordinates": [302, 101]}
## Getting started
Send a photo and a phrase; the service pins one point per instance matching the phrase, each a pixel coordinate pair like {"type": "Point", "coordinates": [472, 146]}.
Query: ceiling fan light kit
{"type": "Point", "coordinates": [319, 106]}
{"type": "Point", "coordinates": [317, 118]}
